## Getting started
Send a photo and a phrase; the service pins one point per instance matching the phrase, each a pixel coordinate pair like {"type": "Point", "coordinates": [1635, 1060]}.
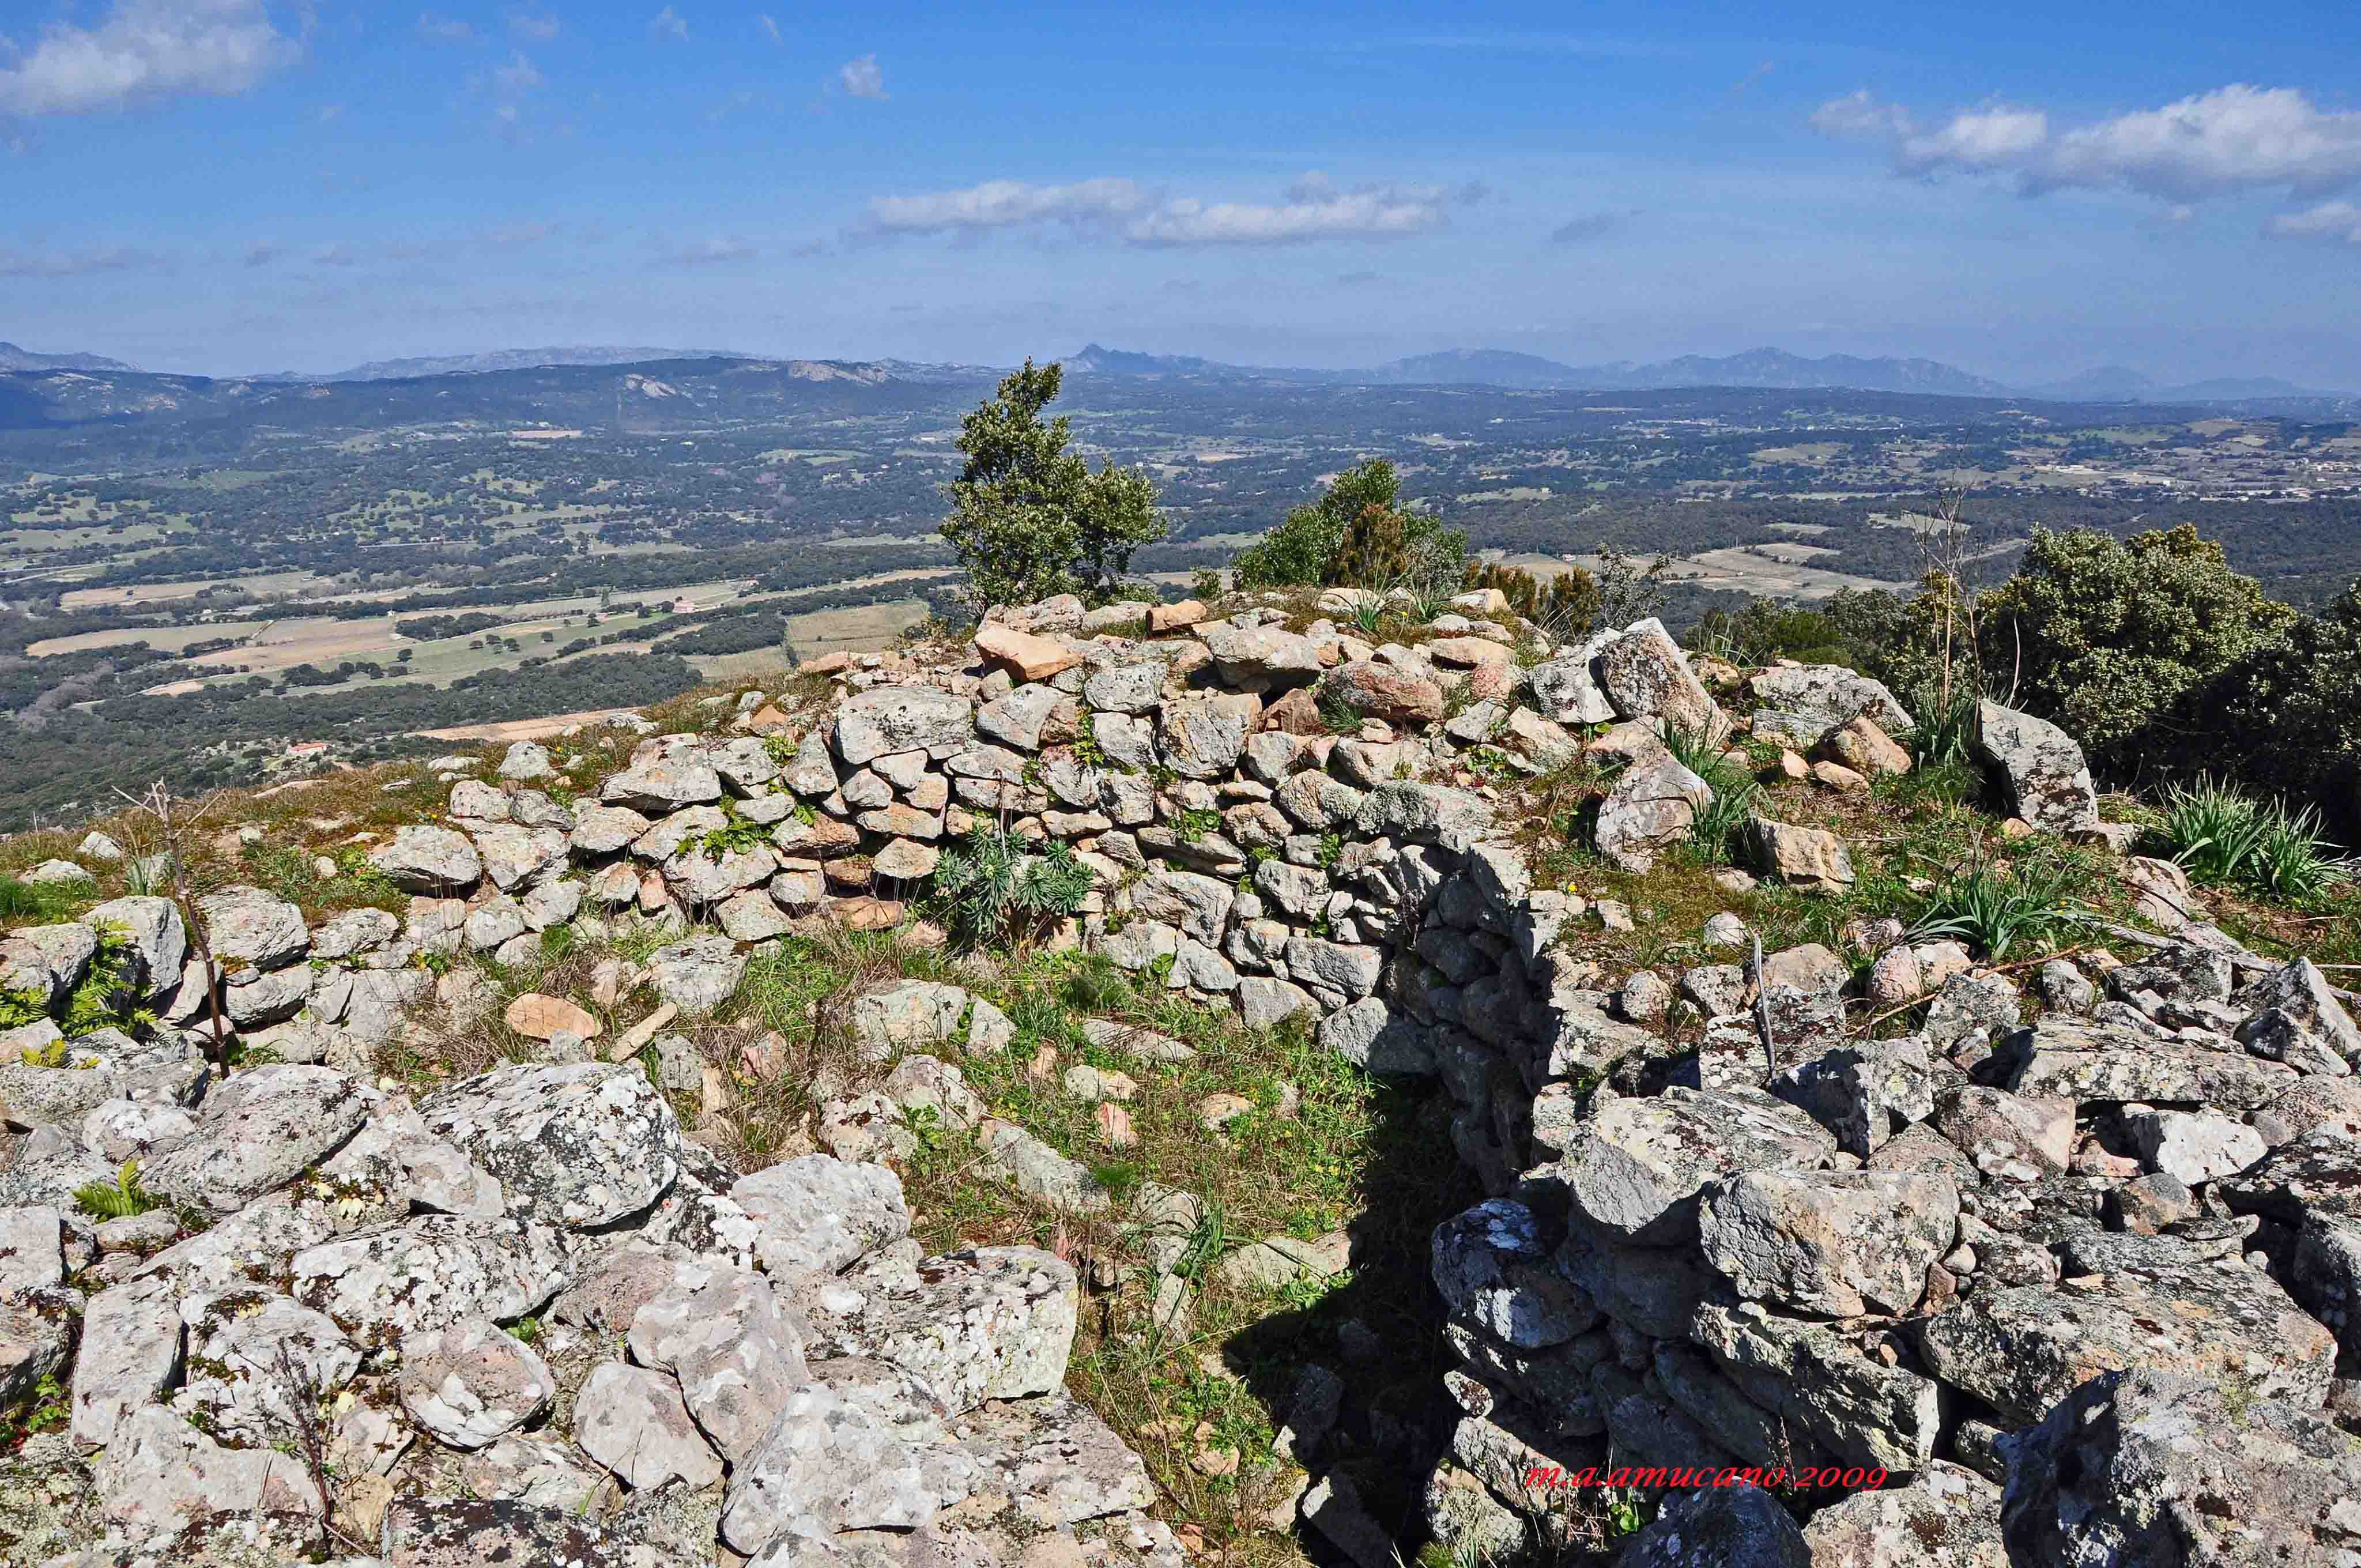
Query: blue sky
{"type": "Point", "coordinates": [2026, 190]}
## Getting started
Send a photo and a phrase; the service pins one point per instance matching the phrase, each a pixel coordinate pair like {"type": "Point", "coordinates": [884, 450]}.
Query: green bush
{"type": "Point", "coordinates": [2105, 636]}
{"type": "Point", "coordinates": [994, 889]}
{"type": "Point", "coordinates": [1356, 535]}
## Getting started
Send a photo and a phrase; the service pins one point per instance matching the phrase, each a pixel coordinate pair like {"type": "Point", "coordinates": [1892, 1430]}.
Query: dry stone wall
{"type": "Point", "coordinates": [1951, 1257]}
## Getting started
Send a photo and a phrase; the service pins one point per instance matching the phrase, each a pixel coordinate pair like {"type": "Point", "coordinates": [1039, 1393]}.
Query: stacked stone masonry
{"type": "Point", "coordinates": [1954, 1258]}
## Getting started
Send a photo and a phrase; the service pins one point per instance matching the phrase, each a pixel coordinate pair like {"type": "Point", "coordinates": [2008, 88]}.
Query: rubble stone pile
{"type": "Point", "coordinates": [2015, 1286]}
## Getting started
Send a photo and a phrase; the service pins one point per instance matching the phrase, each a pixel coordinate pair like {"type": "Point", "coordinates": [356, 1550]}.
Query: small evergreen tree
{"type": "Point", "coordinates": [2105, 635]}
{"type": "Point", "coordinates": [1028, 518]}
{"type": "Point", "coordinates": [1358, 535]}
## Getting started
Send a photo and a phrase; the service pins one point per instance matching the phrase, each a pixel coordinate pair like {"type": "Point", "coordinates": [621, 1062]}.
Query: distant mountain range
{"type": "Point", "coordinates": [1759, 368]}
{"type": "Point", "coordinates": [502, 359]}
{"type": "Point", "coordinates": [15, 358]}
{"type": "Point", "coordinates": [1769, 369]}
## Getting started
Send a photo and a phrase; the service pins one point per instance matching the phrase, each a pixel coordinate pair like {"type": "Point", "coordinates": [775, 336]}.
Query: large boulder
{"type": "Point", "coordinates": [2141, 1467]}
{"type": "Point", "coordinates": [884, 720]}
{"type": "Point", "coordinates": [428, 860]}
{"type": "Point", "coordinates": [1264, 654]}
{"type": "Point", "coordinates": [1739, 1525]}
{"type": "Point", "coordinates": [1645, 675]}
{"type": "Point", "coordinates": [2049, 781]}
{"type": "Point", "coordinates": [2130, 1302]}
{"type": "Point", "coordinates": [1829, 696]}
{"type": "Point", "coordinates": [818, 1214]}
{"type": "Point", "coordinates": [258, 1131]}
{"type": "Point", "coordinates": [1651, 809]}
{"type": "Point", "coordinates": [579, 1145]}
{"type": "Point", "coordinates": [1635, 1172]}
{"type": "Point", "coordinates": [1831, 1244]}
{"type": "Point", "coordinates": [993, 1323]}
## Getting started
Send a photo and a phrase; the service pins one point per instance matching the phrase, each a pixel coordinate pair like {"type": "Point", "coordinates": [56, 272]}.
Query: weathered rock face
{"type": "Point", "coordinates": [2049, 783]}
{"type": "Point", "coordinates": [2145, 1467]}
{"type": "Point", "coordinates": [1830, 1244]}
{"type": "Point", "coordinates": [1649, 809]}
{"type": "Point", "coordinates": [577, 1146]}
{"type": "Point", "coordinates": [1829, 696]}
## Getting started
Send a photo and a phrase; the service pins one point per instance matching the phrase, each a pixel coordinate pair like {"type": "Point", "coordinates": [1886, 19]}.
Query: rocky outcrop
{"type": "Point", "coordinates": [1997, 1236]}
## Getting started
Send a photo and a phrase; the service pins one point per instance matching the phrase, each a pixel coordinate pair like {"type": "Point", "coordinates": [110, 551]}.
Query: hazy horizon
{"type": "Point", "coordinates": [230, 187]}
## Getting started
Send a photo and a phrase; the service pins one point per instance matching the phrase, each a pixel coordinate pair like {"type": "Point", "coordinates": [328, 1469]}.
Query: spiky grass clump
{"type": "Point", "coordinates": [2223, 836]}
{"type": "Point", "coordinates": [1995, 908]}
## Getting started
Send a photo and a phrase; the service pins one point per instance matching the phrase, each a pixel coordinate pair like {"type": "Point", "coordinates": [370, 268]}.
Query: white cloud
{"type": "Point", "coordinates": [439, 29]}
{"type": "Point", "coordinates": [74, 264]}
{"type": "Point", "coordinates": [770, 28]}
{"type": "Point", "coordinates": [2238, 138]}
{"type": "Point", "coordinates": [2328, 221]}
{"type": "Point", "coordinates": [668, 24]}
{"type": "Point", "coordinates": [1995, 137]}
{"type": "Point", "coordinates": [1007, 203]}
{"type": "Point", "coordinates": [862, 78]}
{"type": "Point", "coordinates": [1314, 208]}
{"type": "Point", "coordinates": [716, 251]}
{"type": "Point", "coordinates": [1858, 114]}
{"type": "Point", "coordinates": [2232, 138]}
{"type": "Point", "coordinates": [534, 27]}
{"type": "Point", "coordinates": [519, 75]}
{"type": "Point", "coordinates": [145, 50]}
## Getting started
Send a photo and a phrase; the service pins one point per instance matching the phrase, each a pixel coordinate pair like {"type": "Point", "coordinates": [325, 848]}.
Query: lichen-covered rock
{"type": "Point", "coordinates": [911, 1015]}
{"type": "Point", "coordinates": [632, 1420]}
{"type": "Point", "coordinates": [384, 1286]}
{"type": "Point", "coordinates": [1801, 856]}
{"type": "Point", "coordinates": [258, 1362]}
{"type": "Point", "coordinates": [465, 1532]}
{"type": "Point", "coordinates": [2068, 1058]}
{"type": "Point", "coordinates": [1829, 696]}
{"type": "Point", "coordinates": [2143, 1466]}
{"type": "Point", "coordinates": [1490, 1267]}
{"type": "Point", "coordinates": [258, 1131]}
{"type": "Point", "coordinates": [735, 1348]}
{"type": "Point", "coordinates": [993, 1323]}
{"type": "Point", "coordinates": [579, 1145]}
{"type": "Point", "coordinates": [472, 1383]}
{"type": "Point", "coordinates": [697, 975]}
{"type": "Point", "coordinates": [1262, 654]}
{"type": "Point", "coordinates": [1388, 693]}
{"type": "Point", "coordinates": [2048, 782]}
{"type": "Point", "coordinates": [428, 860]}
{"type": "Point", "coordinates": [1645, 675]}
{"type": "Point", "coordinates": [818, 1214]}
{"type": "Point", "coordinates": [2158, 1305]}
{"type": "Point", "coordinates": [886, 720]}
{"type": "Point", "coordinates": [1946, 1518]}
{"type": "Point", "coordinates": [1833, 1244]}
{"type": "Point", "coordinates": [1058, 1461]}
{"type": "Point", "coordinates": [154, 930]}
{"type": "Point", "coordinates": [1637, 1169]}
{"type": "Point", "coordinates": [1720, 1526]}
{"type": "Point", "coordinates": [856, 1448]}
{"type": "Point", "coordinates": [1856, 1409]}
{"type": "Point", "coordinates": [1651, 808]}
{"type": "Point", "coordinates": [161, 1472]}
{"type": "Point", "coordinates": [2296, 1019]}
